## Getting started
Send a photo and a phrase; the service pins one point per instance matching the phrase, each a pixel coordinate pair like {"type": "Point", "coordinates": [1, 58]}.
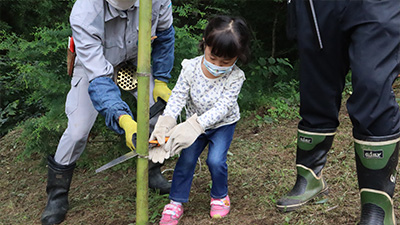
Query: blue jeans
{"type": "Point", "coordinates": [218, 141]}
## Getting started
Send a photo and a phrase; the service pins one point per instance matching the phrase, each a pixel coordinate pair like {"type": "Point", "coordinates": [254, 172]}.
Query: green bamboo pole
{"type": "Point", "coordinates": [143, 70]}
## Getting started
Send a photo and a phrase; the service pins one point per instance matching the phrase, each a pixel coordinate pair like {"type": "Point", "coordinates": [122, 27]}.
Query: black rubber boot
{"type": "Point", "coordinates": [376, 160]}
{"type": "Point", "coordinates": [58, 183]}
{"type": "Point", "coordinates": [156, 180]}
{"type": "Point", "coordinates": [312, 148]}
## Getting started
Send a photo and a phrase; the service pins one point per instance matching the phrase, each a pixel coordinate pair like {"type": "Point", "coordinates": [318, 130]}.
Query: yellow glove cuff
{"type": "Point", "coordinates": [161, 90]}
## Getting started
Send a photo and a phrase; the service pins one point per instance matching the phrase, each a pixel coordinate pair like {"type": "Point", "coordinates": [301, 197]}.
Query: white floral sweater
{"type": "Point", "coordinates": [213, 100]}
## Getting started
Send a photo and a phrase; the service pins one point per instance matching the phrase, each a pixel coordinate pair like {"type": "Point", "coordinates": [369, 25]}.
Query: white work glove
{"type": "Point", "coordinates": [158, 154]}
{"type": "Point", "coordinates": [183, 135]}
{"type": "Point", "coordinates": [164, 124]}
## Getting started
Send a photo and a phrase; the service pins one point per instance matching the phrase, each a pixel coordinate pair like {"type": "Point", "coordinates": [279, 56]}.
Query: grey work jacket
{"type": "Point", "coordinates": [105, 37]}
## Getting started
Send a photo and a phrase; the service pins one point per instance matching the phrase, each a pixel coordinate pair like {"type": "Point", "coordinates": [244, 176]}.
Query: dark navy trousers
{"type": "Point", "coordinates": [358, 35]}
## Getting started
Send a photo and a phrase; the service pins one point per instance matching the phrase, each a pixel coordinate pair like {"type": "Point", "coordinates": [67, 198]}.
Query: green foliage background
{"type": "Point", "coordinates": [34, 84]}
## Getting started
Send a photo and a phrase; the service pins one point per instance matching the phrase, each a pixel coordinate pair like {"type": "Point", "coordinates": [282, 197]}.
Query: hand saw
{"type": "Point", "coordinates": [125, 157]}
{"type": "Point", "coordinates": [118, 160]}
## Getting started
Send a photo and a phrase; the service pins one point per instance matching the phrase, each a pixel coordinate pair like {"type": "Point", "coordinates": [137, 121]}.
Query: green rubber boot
{"type": "Point", "coordinates": [376, 161]}
{"type": "Point", "coordinates": [312, 148]}
{"type": "Point", "coordinates": [377, 208]}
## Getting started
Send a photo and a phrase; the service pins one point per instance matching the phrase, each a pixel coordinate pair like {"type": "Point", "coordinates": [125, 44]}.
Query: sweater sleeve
{"type": "Point", "coordinates": [179, 95]}
{"type": "Point", "coordinates": [224, 104]}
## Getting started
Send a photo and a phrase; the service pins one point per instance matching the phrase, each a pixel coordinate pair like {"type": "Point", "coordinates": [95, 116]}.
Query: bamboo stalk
{"type": "Point", "coordinates": [143, 69]}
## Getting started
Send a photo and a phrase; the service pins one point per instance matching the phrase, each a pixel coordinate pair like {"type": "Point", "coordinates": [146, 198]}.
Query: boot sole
{"type": "Point", "coordinates": [290, 208]}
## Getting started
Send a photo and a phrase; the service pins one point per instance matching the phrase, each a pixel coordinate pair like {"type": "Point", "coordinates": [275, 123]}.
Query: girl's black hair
{"type": "Point", "coordinates": [228, 37]}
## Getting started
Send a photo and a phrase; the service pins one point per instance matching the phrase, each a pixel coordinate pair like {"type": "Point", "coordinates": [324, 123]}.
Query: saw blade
{"type": "Point", "coordinates": [118, 160]}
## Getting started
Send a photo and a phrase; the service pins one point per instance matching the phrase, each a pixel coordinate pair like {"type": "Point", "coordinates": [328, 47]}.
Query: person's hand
{"type": "Point", "coordinates": [183, 135]}
{"type": "Point", "coordinates": [163, 126]}
{"type": "Point", "coordinates": [161, 90]}
{"type": "Point", "coordinates": [158, 154]}
{"type": "Point", "coordinates": [130, 126]}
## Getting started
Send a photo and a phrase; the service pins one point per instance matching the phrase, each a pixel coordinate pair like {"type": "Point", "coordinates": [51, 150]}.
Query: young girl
{"type": "Point", "coordinates": [209, 86]}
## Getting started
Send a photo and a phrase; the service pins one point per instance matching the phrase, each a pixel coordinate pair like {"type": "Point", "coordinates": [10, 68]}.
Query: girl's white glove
{"type": "Point", "coordinates": [164, 124]}
{"type": "Point", "coordinates": [158, 154]}
{"type": "Point", "coordinates": [183, 135]}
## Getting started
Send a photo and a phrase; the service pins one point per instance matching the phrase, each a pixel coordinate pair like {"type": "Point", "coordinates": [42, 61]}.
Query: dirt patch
{"type": "Point", "coordinates": [261, 169]}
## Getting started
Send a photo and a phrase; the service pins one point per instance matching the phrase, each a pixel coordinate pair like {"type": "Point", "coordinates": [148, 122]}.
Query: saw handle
{"type": "Point", "coordinates": [155, 142]}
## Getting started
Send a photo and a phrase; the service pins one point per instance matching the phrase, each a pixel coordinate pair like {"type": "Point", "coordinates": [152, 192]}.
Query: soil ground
{"type": "Point", "coordinates": [261, 169]}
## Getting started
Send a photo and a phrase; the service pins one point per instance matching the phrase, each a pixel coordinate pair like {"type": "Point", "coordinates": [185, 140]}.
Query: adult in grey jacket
{"type": "Point", "coordinates": [106, 35]}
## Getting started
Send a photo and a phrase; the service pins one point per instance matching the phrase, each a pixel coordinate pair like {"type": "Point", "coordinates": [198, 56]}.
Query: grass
{"type": "Point", "coordinates": [261, 169]}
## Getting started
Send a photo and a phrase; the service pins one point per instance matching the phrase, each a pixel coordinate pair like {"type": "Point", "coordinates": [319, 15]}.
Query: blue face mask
{"type": "Point", "coordinates": [217, 70]}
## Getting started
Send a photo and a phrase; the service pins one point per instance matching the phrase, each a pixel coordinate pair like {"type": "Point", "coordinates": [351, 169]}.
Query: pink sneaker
{"type": "Point", "coordinates": [220, 207]}
{"type": "Point", "coordinates": [171, 214]}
